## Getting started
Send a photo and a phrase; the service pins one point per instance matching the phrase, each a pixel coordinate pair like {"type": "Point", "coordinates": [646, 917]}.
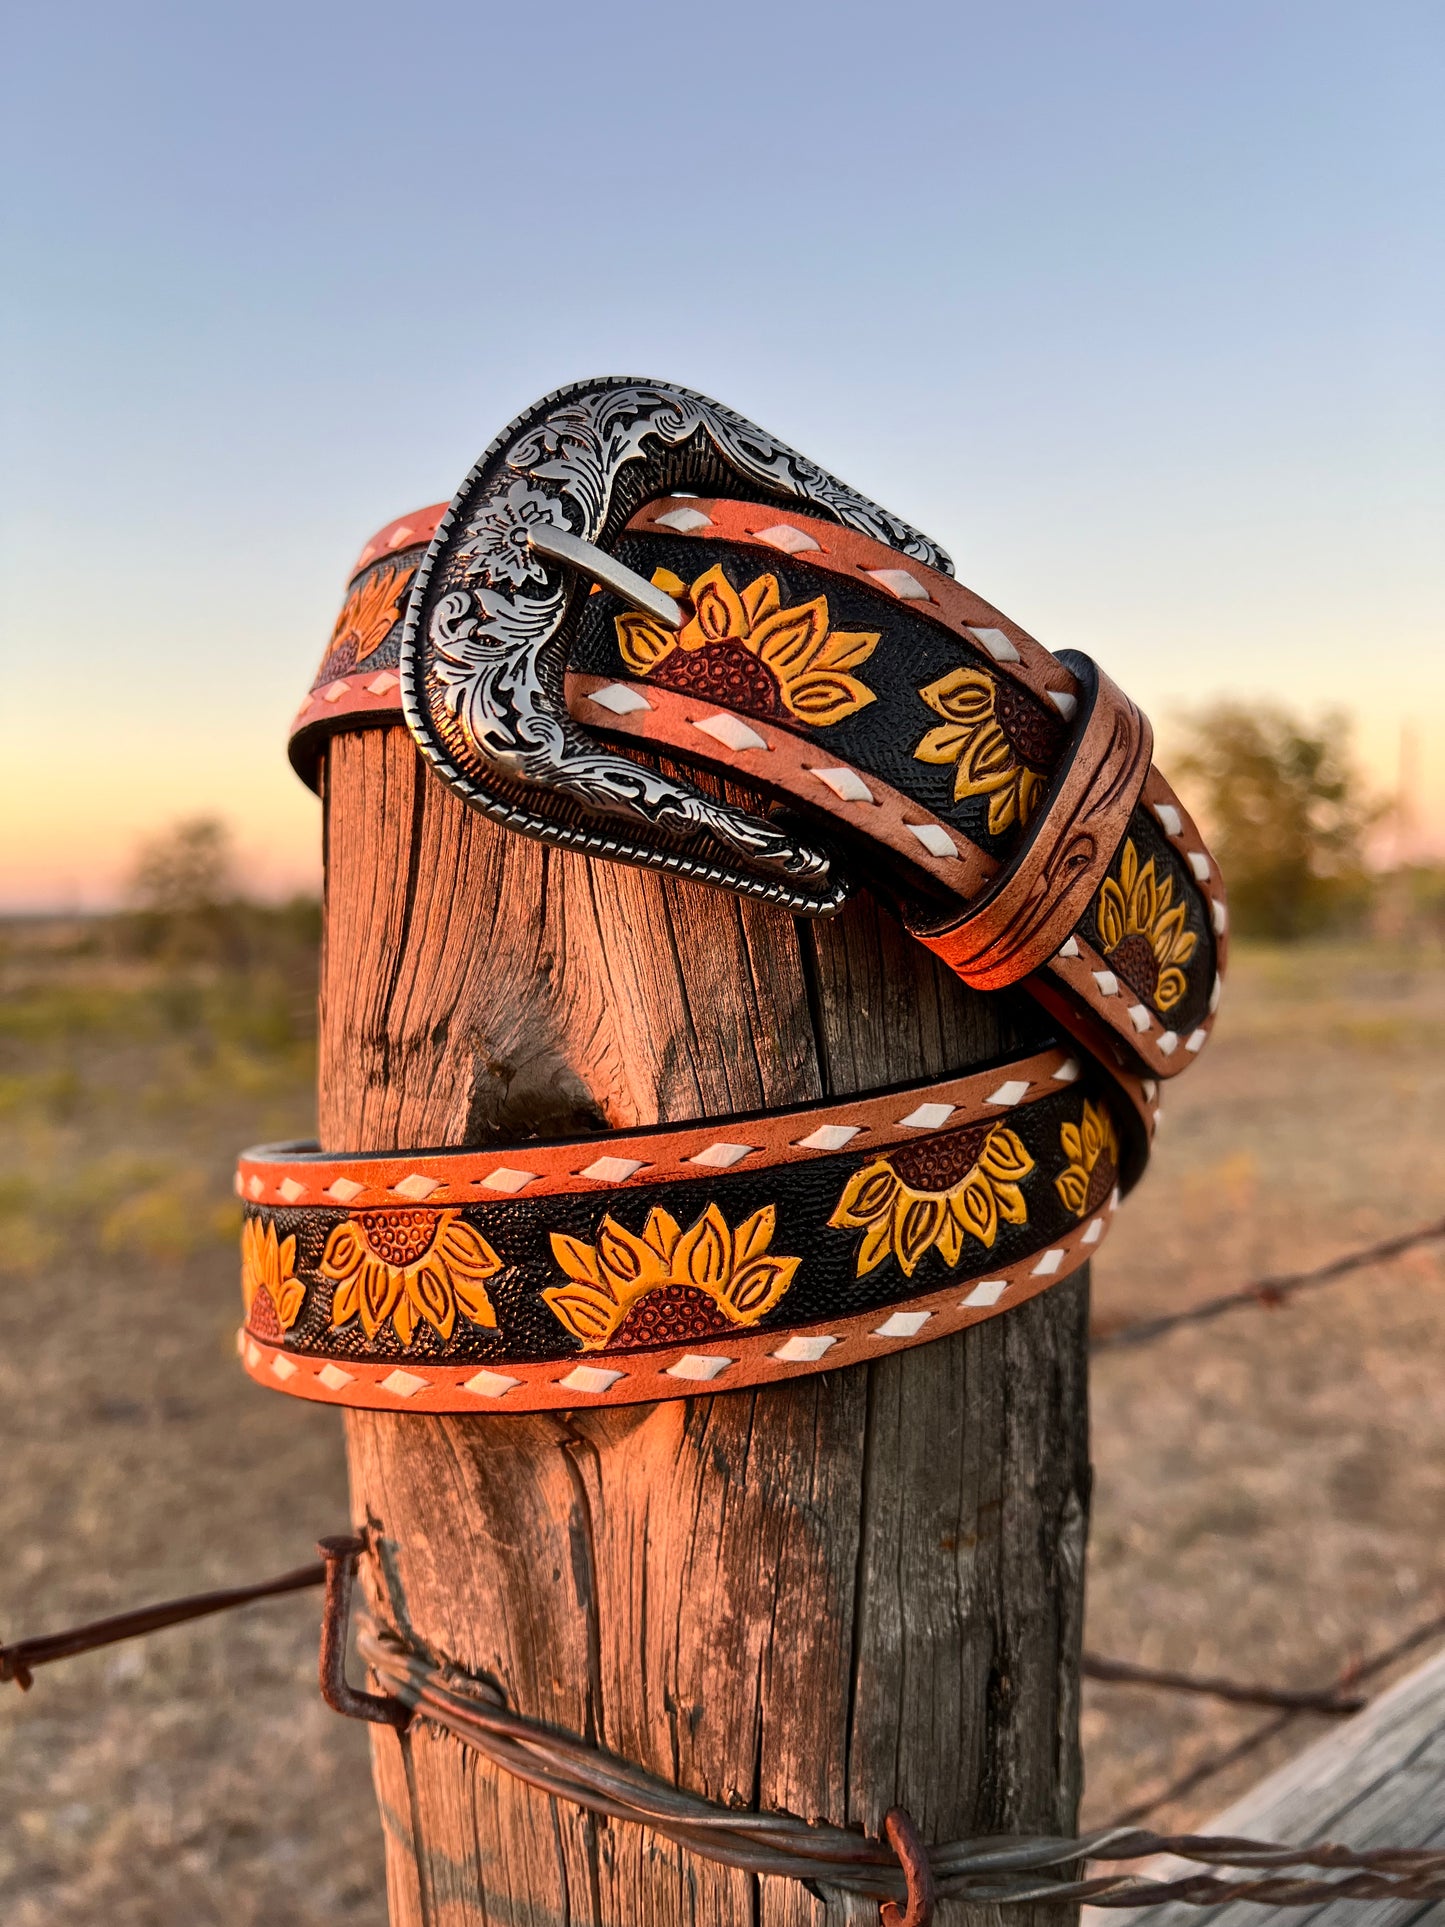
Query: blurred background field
{"type": "Point", "coordinates": [1269, 1487]}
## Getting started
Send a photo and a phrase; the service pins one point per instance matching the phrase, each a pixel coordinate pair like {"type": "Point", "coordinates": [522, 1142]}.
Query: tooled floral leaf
{"type": "Point", "coordinates": [590, 1315]}
{"type": "Point", "coordinates": [1010, 1201]}
{"type": "Point", "coordinates": [345, 1301]}
{"type": "Point", "coordinates": [642, 643]}
{"type": "Point", "coordinates": [1111, 915]}
{"type": "Point", "coordinates": [1128, 867]}
{"type": "Point", "coordinates": [404, 1319]}
{"type": "Point", "coordinates": [1170, 988]}
{"type": "Point", "coordinates": [822, 696]}
{"type": "Point", "coordinates": [430, 1291]}
{"type": "Point", "coordinates": [1073, 1187]}
{"type": "Point", "coordinates": [669, 583]}
{"type": "Point", "coordinates": [876, 1244]}
{"type": "Point", "coordinates": [942, 744]}
{"type": "Point", "coordinates": [754, 1234]}
{"type": "Point", "coordinates": [1073, 1144]}
{"type": "Point", "coordinates": [962, 696]}
{"type": "Point", "coordinates": [578, 1260]}
{"type": "Point", "coordinates": [1004, 1156]}
{"type": "Point", "coordinates": [250, 1269]}
{"type": "Point", "coordinates": [950, 1239]}
{"type": "Point", "coordinates": [378, 607]}
{"type": "Point", "coordinates": [465, 1251]}
{"type": "Point", "coordinates": [718, 613]}
{"type": "Point", "coordinates": [1002, 805]}
{"type": "Point", "coordinates": [1031, 788]}
{"type": "Point", "coordinates": [345, 1250]}
{"type": "Point", "coordinates": [662, 1232]}
{"type": "Point", "coordinates": [846, 648]}
{"type": "Point", "coordinates": [790, 640]}
{"type": "Point", "coordinates": [1094, 1131]}
{"type": "Point", "coordinates": [761, 599]}
{"type": "Point", "coordinates": [1144, 900]}
{"type": "Point", "coordinates": [916, 1221]}
{"type": "Point", "coordinates": [629, 1262]}
{"type": "Point", "coordinates": [867, 1195]}
{"type": "Point", "coordinates": [288, 1297]}
{"type": "Point", "coordinates": [756, 1287]}
{"type": "Point", "coordinates": [380, 1291]}
{"type": "Point", "coordinates": [471, 1296]}
{"type": "Point", "coordinates": [976, 1209]}
{"type": "Point", "coordinates": [987, 760]}
{"type": "Point", "coordinates": [704, 1252]}
{"type": "Point", "coordinates": [1172, 943]}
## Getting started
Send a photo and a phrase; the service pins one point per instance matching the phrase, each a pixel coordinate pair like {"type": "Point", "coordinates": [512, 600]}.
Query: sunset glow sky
{"type": "Point", "coordinates": [1137, 308]}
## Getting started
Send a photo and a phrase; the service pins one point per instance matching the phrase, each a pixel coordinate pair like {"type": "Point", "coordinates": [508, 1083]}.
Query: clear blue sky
{"type": "Point", "coordinates": [1136, 307]}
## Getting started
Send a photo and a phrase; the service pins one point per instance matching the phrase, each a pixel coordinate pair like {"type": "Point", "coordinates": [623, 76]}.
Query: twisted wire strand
{"type": "Point", "coordinates": [1271, 1291]}
{"type": "Point", "coordinates": [1014, 1870]}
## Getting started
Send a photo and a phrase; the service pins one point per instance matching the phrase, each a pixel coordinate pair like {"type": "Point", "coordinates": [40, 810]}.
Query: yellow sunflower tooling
{"type": "Point", "coordinates": [899, 1221]}
{"type": "Point", "coordinates": [1141, 935]}
{"type": "Point", "coordinates": [806, 658]}
{"type": "Point", "coordinates": [367, 618]}
{"type": "Point", "coordinates": [409, 1265]}
{"type": "Point", "coordinates": [733, 1268]}
{"type": "Point", "coordinates": [269, 1264]}
{"type": "Point", "coordinates": [972, 738]}
{"type": "Point", "coordinates": [1092, 1148]}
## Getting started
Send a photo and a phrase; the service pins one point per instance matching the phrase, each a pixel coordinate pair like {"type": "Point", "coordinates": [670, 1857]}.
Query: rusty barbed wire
{"type": "Point", "coordinates": [993, 1871]}
{"type": "Point", "coordinates": [1123, 1672]}
{"type": "Point", "coordinates": [999, 1870]}
{"type": "Point", "coordinates": [1213, 1764]}
{"type": "Point", "coordinates": [1269, 1291]}
{"type": "Point", "coordinates": [18, 1661]}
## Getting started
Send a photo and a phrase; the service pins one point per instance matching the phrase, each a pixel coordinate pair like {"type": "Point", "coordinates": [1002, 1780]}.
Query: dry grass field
{"type": "Point", "coordinates": [1269, 1488]}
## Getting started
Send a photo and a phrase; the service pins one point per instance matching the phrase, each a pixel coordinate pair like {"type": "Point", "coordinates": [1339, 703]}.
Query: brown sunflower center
{"type": "Point", "coordinates": [397, 1237]}
{"type": "Point", "coordinates": [724, 673]}
{"type": "Point", "coordinates": [670, 1315]}
{"type": "Point", "coordinates": [936, 1163]}
{"type": "Point", "coordinates": [1036, 738]}
{"type": "Point", "coordinates": [1133, 959]}
{"type": "Point", "coordinates": [1102, 1180]}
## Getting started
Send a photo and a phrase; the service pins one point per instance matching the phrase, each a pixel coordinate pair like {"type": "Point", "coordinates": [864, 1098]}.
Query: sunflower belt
{"type": "Point", "coordinates": [632, 572]}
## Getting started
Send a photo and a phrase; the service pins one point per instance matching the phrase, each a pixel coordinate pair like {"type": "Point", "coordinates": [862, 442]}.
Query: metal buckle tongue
{"type": "Point", "coordinates": [587, 559]}
{"type": "Point", "coordinates": [484, 647]}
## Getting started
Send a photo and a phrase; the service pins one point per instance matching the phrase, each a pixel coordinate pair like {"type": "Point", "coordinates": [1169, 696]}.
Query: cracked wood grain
{"type": "Point", "coordinates": [857, 1589]}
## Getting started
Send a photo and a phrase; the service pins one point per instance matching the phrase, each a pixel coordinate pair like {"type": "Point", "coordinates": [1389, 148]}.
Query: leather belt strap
{"type": "Point", "coordinates": [651, 1263]}
{"type": "Point", "coordinates": [787, 633]}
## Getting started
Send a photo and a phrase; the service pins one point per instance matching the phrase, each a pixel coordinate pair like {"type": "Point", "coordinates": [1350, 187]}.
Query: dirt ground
{"type": "Point", "coordinates": [1269, 1488]}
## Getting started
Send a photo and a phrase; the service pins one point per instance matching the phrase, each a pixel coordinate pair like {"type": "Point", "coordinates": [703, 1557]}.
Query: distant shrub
{"type": "Point", "coordinates": [1287, 813]}
{"type": "Point", "coordinates": [169, 1219]}
{"type": "Point", "coordinates": [187, 904]}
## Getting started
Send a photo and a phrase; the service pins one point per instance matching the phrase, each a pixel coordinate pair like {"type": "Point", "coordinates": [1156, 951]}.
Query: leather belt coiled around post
{"type": "Point", "coordinates": [632, 568]}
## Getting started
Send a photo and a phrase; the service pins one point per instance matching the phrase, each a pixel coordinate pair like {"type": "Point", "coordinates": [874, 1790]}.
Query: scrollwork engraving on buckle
{"type": "Point", "coordinates": [484, 647]}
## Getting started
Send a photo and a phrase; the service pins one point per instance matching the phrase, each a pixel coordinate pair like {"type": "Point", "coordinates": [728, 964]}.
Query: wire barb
{"type": "Point", "coordinates": [913, 1858]}
{"type": "Point", "coordinates": [340, 1556]}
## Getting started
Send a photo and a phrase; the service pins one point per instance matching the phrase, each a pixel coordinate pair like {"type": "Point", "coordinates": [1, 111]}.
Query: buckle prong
{"type": "Point", "coordinates": [587, 559]}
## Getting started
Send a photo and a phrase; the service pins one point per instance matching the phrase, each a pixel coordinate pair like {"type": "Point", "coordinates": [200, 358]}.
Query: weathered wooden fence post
{"type": "Point", "coordinates": [858, 1589]}
{"type": "Point", "coordinates": [821, 1592]}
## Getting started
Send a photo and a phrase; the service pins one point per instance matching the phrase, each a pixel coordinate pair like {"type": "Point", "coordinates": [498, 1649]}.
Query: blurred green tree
{"type": "Point", "coordinates": [186, 871]}
{"type": "Point", "coordinates": [190, 911]}
{"type": "Point", "coordinates": [1287, 813]}
{"type": "Point", "coordinates": [185, 896]}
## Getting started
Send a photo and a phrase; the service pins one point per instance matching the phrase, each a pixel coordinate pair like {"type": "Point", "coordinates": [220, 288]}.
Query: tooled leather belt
{"type": "Point", "coordinates": [633, 572]}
